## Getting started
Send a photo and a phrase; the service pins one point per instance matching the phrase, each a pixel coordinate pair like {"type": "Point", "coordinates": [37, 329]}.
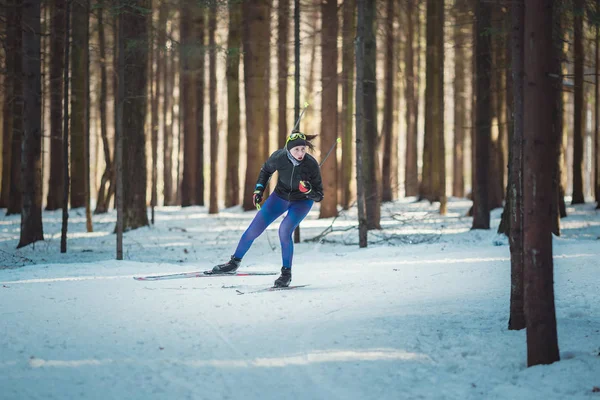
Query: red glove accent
{"type": "Point", "coordinates": [304, 187]}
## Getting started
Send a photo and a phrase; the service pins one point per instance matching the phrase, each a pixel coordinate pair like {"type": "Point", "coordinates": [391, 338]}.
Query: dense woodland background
{"type": "Point", "coordinates": [137, 102]}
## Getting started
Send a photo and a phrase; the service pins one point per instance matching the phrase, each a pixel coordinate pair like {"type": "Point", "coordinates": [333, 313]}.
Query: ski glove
{"type": "Point", "coordinates": [258, 195]}
{"type": "Point", "coordinates": [306, 188]}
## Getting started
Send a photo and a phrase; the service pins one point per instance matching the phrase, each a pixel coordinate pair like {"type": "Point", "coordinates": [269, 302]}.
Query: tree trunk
{"type": "Point", "coordinates": [558, 199]}
{"type": "Point", "coordinates": [155, 95]}
{"type": "Point", "coordinates": [481, 210]}
{"type": "Point", "coordinates": [31, 160]}
{"type": "Point", "coordinates": [460, 96]}
{"type": "Point", "coordinates": [542, 341]}
{"type": "Point", "coordinates": [256, 38]}
{"type": "Point", "coordinates": [135, 42]}
{"type": "Point", "coordinates": [347, 115]}
{"type": "Point", "coordinates": [433, 185]}
{"type": "Point", "coordinates": [79, 79]}
{"type": "Point", "coordinates": [57, 48]}
{"type": "Point", "coordinates": [411, 169]}
{"type": "Point", "coordinates": [17, 113]}
{"type": "Point", "coordinates": [65, 132]}
{"type": "Point", "coordinates": [579, 118]}
{"type": "Point", "coordinates": [167, 111]}
{"type": "Point", "coordinates": [8, 92]}
{"type": "Point", "coordinates": [372, 174]}
{"type": "Point", "coordinates": [213, 207]}
{"type": "Point", "coordinates": [283, 25]}
{"type": "Point", "coordinates": [597, 122]}
{"type": "Point", "coordinates": [514, 195]}
{"type": "Point", "coordinates": [362, 28]}
{"type": "Point", "coordinates": [188, 106]}
{"type": "Point", "coordinates": [107, 175]}
{"type": "Point", "coordinates": [199, 26]}
{"type": "Point", "coordinates": [234, 43]}
{"type": "Point", "coordinates": [329, 102]}
{"type": "Point", "coordinates": [389, 163]}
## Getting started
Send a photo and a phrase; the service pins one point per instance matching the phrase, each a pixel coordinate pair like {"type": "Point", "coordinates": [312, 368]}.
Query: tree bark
{"type": "Point", "coordinates": [597, 121]}
{"type": "Point", "coordinates": [329, 102]}
{"type": "Point", "coordinates": [283, 31]}
{"type": "Point", "coordinates": [542, 341]}
{"type": "Point", "coordinates": [57, 66]}
{"type": "Point", "coordinates": [411, 169]}
{"type": "Point", "coordinates": [17, 113]}
{"type": "Point", "coordinates": [234, 43]}
{"type": "Point", "coordinates": [213, 206]}
{"type": "Point", "coordinates": [372, 174]}
{"type": "Point", "coordinates": [79, 79]}
{"type": "Point", "coordinates": [135, 41]}
{"type": "Point", "coordinates": [558, 199]}
{"type": "Point", "coordinates": [347, 114]}
{"type": "Point", "coordinates": [31, 160]}
{"type": "Point", "coordinates": [578, 120]}
{"type": "Point", "coordinates": [389, 163]}
{"type": "Point", "coordinates": [199, 27]}
{"type": "Point", "coordinates": [155, 94]}
{"type": "Point", "coordinates": [107, 175]}
{"type": "Point", "coordinates": [188, 106]}
{"type": "Point", "coordinates": [433, 185]}
{"type": "Point", "coordinates": [460, 96]}
{"type": "Point", "coordinates": [514, 196]}
{"type": "Point", "coordinates": [167, 110]}
{"type": "Point", "coordinates": [256, 38]}
{"type": "Point", "coordinates": [362, 27]}
{"type": "Point", "coordinates": [481, 210]}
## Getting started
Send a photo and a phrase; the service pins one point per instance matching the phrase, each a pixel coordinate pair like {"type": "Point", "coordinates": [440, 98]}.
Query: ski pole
{"type": "Point", "coordinates": [300, 116]}
{"type": "Point", "coordinates": [338, 140]}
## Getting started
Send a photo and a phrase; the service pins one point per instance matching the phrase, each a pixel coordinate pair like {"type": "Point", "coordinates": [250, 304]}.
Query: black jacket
{"type": "Point", "coordinates": [291, 175]}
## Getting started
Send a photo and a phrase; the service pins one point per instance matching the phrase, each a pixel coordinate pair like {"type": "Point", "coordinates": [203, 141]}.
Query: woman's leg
{"type": "Point", "coordinates": [297, 211]}
{"type": "Point", "coordinates": [273, 208]}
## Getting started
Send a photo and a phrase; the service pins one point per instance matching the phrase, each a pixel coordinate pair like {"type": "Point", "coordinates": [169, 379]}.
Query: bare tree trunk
{"type": "Point", "coordinates": [372, 173]}
{"type": "Point", "coordinates": [460, 96]}
{"type": "Point", "coordinates": [514, 196]}
{"type": "Point", "coordinates": [17, 113]}
{"type": "Point", "coordinates": [542, 341]}
{"type": "Point", "coordinates": [9, 31]}
{"type": "Point", "coordinates": [135, 40]}
{"type": "Point", "coordinates": [347, 115]}
{"type": "Point", "coordinates": [65, 132]}
{"type": "Point", "coordinates": [256, 84]}
{"type": "Point", "coordinates": [167, 111]}
{"type": "Point", "coordinates": [79, 57]}
{"type": "Point", "coordinates": [558, 199]}
{"type": "Point", "coordinates": [213, 207]}
{"type": "Point", "coordinates": [155, 95]}
{"type": "Point", "coordinates": [579, 121]}
{"type": "Point", "coordinates": [329, 102]}
{"type": "Point", "coordinates": [361, 31]}
{"type": "Point", "coordinates": [481, 210]}
{"type": "Point", "coordinates": [283, 24]}
{"type": "Point", "coordinates": [119, 130]}
{"type": "Point", "coordinates": [597, 121]}
{"type": "Point", "coordinates": [31, 160]}
{"type": "Point", "coordinates": [433, 185]}
{"type": "Point", "coordinates": [107, 175]}
{"type": "Point", "coordinates": [389, 163]}
{"type": "Point", "coordinates": [57, 66]}
{"type": "Point", "coordinates": [199, 26]}
{"type": "Point", "coordinates": [234, 43]}
{"type": "Point", "coordinates": [188, 106]}
{"type": "Point", "coordinates": [497, 163]}
{"type": "Point", "coordinates": [411, 169]}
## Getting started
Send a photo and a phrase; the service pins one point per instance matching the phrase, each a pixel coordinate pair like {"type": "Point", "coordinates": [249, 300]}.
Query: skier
{"type": "Point", "coordinates": [298, 187]}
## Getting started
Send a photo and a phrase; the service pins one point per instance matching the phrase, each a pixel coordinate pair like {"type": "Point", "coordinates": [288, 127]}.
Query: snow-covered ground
{"type": "Point", "coordinates": [420, 314]}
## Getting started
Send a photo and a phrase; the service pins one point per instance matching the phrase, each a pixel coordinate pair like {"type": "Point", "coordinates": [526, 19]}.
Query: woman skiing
{"type": "Point", "coordinates": [298, 187]}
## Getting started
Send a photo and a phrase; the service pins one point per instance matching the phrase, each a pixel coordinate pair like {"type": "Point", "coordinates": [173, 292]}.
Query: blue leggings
{"type": "Point", "coordinates": [273, 208]}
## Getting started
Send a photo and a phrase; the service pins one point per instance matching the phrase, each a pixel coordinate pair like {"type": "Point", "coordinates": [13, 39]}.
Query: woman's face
{"type": "Point", "coordinates": [298, 152]}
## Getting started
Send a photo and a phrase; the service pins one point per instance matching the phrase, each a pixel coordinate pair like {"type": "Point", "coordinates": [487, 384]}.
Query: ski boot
{"type": "Point", "coordinates": [285, 278]}
{"type": "Point", "coordinates": [228, 268]}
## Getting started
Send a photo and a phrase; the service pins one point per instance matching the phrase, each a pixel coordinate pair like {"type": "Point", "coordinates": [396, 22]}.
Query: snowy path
{"type": "Point", "coordinates": [427, 327]}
